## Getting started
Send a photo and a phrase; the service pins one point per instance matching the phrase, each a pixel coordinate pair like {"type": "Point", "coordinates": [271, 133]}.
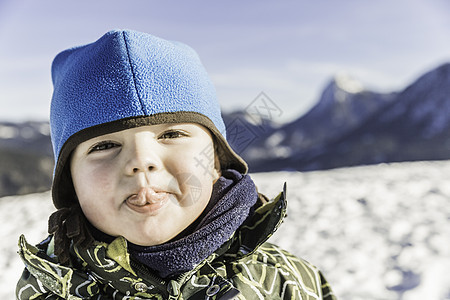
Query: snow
{"type": "Point", "coordinates": [376, 232]}
{"type": "Point", "coordinates": [8, 132]}
{"type": "Point", "coordinates": [348, 84]}
{"type": "Point", "coordinates": [20, 214]}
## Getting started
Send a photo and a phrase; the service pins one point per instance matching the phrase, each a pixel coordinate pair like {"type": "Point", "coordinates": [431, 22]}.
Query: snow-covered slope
{"type": "Point", "coordinates": [378, 232]}
{"type": "Point", "coordinates": [26, 214]}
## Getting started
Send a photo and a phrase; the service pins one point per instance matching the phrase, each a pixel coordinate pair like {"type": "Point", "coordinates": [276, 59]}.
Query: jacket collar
{"type": "Point", "coordinates": [258, 228]}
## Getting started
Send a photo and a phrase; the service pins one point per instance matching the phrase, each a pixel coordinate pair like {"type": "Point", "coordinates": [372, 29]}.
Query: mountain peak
{"type": "Point", "coordinates": [347, 83]}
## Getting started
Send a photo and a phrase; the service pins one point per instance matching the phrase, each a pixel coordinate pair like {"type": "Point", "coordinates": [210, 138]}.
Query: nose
{"type": "Point", "coordinates": [143, 157]}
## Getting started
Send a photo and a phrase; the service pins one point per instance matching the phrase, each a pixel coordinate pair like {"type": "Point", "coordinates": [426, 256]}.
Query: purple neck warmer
{"type": "Point", "coordinates": [232, 199]}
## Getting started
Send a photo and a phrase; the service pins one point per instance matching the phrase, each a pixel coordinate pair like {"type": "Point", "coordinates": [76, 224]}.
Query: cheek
{"type": "Point", "coordinates": [201, 160]}
{"type": "Point", "coordinates": [195, 173]}
{"type": "Point", "coordinates": [92, 182]}
{"type": "Point", "coordinates": [94, 191]}
{"type": "Point", "coordinates": [196, 191]}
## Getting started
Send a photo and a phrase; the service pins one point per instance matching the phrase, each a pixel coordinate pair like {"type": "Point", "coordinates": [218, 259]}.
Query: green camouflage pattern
{"type": "Point", "coordinates": [245, 267]}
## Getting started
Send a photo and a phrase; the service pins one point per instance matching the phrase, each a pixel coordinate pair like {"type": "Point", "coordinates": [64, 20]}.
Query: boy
{"type": "Point", "coordinates": [152, 201]}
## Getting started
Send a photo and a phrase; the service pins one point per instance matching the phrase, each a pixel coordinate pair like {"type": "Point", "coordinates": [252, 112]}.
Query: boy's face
{"type": "Point", "coordinates": [147, 183]}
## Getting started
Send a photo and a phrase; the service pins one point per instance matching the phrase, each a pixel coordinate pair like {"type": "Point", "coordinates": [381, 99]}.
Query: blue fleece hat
{"type": "Point", "coordinates": [123, 80]}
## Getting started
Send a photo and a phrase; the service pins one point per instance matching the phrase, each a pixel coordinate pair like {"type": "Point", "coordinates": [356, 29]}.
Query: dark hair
{"type": "Point", "coordinates": [68, 225]}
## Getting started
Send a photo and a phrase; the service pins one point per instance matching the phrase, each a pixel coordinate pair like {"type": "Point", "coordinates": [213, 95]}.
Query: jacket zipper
{"type": "Point", "coordinates": [155, 280]}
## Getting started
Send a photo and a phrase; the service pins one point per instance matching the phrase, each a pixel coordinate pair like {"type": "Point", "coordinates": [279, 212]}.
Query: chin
{"type": "Point", "coordinates": [150, 241]}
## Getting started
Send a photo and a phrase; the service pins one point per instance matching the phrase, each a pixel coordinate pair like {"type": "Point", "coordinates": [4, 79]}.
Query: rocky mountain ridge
{"type": "Point", "coordinates": [352, 126]}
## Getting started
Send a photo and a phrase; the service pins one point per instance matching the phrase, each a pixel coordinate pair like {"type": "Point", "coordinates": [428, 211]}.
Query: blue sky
{"type": "Point", "coordinates": [287, 49]}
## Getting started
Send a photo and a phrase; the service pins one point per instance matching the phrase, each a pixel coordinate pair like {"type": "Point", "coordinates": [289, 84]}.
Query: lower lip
{"type": "Point", "coordinates": [149, 208]}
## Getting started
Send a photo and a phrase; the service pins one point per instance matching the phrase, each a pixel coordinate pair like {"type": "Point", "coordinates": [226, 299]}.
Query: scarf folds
{"type": "Point", "coordinates": [231, 202]}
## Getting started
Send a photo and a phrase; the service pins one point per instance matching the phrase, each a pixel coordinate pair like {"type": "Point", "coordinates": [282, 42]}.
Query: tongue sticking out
{"type": "Point", "coordinates": [146, 196]}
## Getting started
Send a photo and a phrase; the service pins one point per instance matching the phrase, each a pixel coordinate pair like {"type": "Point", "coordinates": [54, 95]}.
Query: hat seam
{"type": "Point", "coordinates": [133, 72]}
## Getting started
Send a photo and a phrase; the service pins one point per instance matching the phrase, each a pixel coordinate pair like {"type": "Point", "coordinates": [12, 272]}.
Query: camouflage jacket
{"type": "Point", "coordinates": [245, 267]}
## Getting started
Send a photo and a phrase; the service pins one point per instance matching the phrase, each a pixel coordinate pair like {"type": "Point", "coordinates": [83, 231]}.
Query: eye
{"type": "Point", "coordinates": [173, 134]}
{"type": "Point", "coordinates": [102, 146]}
